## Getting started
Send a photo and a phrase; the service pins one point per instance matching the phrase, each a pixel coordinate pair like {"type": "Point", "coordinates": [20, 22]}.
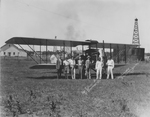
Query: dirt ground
{"type": "Point", "coordinates": [26, 92]}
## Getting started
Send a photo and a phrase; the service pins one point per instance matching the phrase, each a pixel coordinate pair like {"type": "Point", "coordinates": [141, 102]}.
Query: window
{"type": "Point", "coordinates": [4, 53]}
{"type": "Point", "coordinates": [13, 53]}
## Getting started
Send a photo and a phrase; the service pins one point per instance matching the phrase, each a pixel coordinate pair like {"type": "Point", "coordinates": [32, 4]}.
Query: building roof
{"type": "Point", "coordinates": [6, 46]}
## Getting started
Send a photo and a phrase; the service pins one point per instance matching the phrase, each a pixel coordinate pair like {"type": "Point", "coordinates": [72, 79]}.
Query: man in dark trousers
{"type": "Point", "coordinates": [84, 58]}
{"type": "Point", "coordinates": [59, 67]}
{"type": "Point", "coordinates": [80, 67]}
{"type": "Point", "coordinates": [66, 67]}
{"type": "Point", "coordinates": [87, 67]}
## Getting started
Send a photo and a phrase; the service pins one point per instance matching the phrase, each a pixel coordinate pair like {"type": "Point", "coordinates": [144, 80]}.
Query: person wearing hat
{"type": "Point", "coordinates": [66, 67]}
{"type": "Point", "coordinates": [87, 68]}
{"type": "Point", "coordinates": [72, 67]}
{"type": "Point", "coordinates": [59, 66]}
{"type": "Point", "coordinates": [98, 67]}
{"type": "Point", "coordinates": [110, 64]}
{"type": "Point", "coordinates": [84, 58]}
{"type": "Point", "coordinates": [80, 67]}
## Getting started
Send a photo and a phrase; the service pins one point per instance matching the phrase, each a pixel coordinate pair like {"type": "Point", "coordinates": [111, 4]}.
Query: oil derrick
{"type": "Point", "coordinates": [136, 40]}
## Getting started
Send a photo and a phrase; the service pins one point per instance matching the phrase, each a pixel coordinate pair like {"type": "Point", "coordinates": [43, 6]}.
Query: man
{"type": "Point", "coordinates": [59, 67]}
{"type": "Point", "coordinates": [72, 66]}
{"type": "Point", "coordinates": [98, 67]}
{"type": "Point", "coordinates": [66, 67]}
{"type": "Point", "coordinates": [84, 58]}
{"type": "Point", "coordinates": [110, 64]}
{"type": "Point", "coordinates": [87, 67]}
{"type": "Point", "coordinates": [80, 67]}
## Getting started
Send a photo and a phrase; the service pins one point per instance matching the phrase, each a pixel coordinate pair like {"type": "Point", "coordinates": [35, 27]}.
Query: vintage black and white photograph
{"type": "Point", "coordinates": [74, 58]}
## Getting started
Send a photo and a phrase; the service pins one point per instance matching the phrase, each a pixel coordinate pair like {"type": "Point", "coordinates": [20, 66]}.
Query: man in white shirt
{"type": "Point", "coordinates": [98, 67]}
{"type": "Point", "coordinates": [66, 68]}
{"type": "Point", "coordinates": [110, 64]}
{"type": "Point", "coordinates": [73, 70]}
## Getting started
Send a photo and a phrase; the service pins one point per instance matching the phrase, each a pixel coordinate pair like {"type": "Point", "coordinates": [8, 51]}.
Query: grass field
{"type": "Point", "coordinates": [26, 92]}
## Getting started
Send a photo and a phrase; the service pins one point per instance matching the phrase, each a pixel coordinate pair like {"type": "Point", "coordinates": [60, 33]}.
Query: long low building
{"type": "Point", "coordinates": [12, 50]}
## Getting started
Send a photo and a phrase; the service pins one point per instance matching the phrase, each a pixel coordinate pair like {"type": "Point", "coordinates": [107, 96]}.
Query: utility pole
{"type": "Point", "coordinates": [55, 47]}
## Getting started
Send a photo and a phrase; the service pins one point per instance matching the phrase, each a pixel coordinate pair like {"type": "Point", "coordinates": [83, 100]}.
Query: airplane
{"type": "Point", "coordinates": [95, 48]}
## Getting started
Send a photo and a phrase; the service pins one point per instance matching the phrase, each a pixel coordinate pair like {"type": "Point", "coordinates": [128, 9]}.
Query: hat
{"type": "Point", "coordinates": [109, 57]}
{"type": "Point", "coordinates": [99, 58]}
{"type": "Point", "coordinates": [88, 57]}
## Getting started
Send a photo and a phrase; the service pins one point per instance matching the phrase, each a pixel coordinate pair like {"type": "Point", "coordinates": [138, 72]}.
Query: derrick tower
{"type": "Point", "coordinates": [136, 39]}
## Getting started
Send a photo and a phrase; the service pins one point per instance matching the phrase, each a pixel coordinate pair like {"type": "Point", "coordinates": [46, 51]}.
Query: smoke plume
{"type": "Point", "coordinates": [72, 20]}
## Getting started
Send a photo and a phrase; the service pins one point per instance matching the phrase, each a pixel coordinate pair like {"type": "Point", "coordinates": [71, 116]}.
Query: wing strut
{"type": "Point", "coordinates": [110, 51]}
{"type": "Point", "coordinates": [33, 50]}
{"type": "Point", "coordinates": [40, 52]}
{"type": "Point", "coordinates": [118, 53]}
{"type": "Point", "coordinates": [28, 54]}
{"type": "Point", "coordinates": [125, 53]}
{"type": "Point", "coordinates": [71, 48]}
{"type": "Point", "coordinates": [103, 46]}
{"type": "Point", "coordinates": [46, 50]}
{"type": "Point", "coordinates": [64, 48]}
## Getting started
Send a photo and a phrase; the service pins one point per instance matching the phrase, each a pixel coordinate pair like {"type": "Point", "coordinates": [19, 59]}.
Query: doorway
{"type": "Point", "coordinates": [9, 53]}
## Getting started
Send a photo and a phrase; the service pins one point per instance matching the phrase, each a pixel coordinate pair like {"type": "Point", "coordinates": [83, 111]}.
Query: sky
{"type": "Point", "coordinates": [108, 20]}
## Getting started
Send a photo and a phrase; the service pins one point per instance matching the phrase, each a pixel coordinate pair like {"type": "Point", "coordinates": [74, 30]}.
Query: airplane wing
{"type": "Point", "coordinates": [114, 45]}
{"type": "Point", "coordinates": [69, 43]}
{"type": "Point", "coordinates": [45, 42]}
{"type": "Point", "coordinates": [61, 42]}
{"type": "Point", "coordinates": [48, 42]}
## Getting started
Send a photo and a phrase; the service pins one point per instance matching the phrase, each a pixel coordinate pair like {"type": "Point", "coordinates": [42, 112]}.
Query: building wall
{"type": "Point", "coordinates": [12, 51]}
{"type": "Point", "coordinates": [22, 53]}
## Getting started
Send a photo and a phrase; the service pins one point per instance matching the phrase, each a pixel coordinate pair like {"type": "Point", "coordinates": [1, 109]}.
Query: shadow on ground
{"type": "Point", "coordinates": [93, 76]}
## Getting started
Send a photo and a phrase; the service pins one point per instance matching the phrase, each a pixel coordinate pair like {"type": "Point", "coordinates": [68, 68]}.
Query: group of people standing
{"type": "Point", "coordinates": [83, 65]}
{"type": "Point", "coordinates": [99, 67]}
{"type": "Point", "coordinates": [67, 65]}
